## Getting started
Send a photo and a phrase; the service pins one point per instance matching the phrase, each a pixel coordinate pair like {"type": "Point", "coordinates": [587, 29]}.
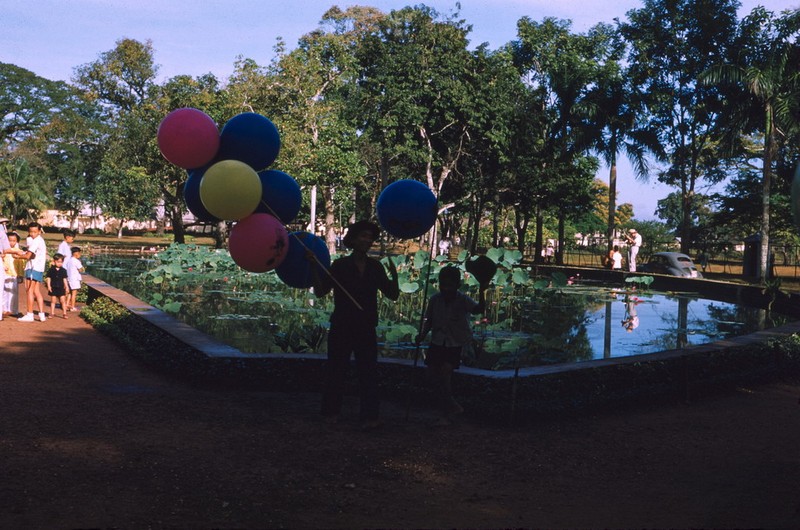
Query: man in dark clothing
{"type": "Point", "coordinates": [355, 280]}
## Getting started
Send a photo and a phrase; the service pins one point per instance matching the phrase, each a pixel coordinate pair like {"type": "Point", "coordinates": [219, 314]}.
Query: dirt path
{"type": "Point", "coordinates": [89, 438]}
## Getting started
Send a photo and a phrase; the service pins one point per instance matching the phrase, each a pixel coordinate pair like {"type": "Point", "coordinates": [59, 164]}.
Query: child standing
{"type": "Point", "coordinates": [65, 247]}
{"type": "Point", "coordinates": [36, 253]}
{"type": "Point", "coordinates": [616, 258]}
{"type": "Point", "coordinates": [57, 284]}
{"type": "Point", "coordinates": [74, 268]}
{"type": "Point", "coordinates": [14, 271]}
{"type": "Point", "coordinates": [447, 316]}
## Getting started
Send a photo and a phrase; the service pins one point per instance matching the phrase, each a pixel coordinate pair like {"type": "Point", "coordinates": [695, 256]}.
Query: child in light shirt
{"type": "Point", "coordinates": [74, 268]}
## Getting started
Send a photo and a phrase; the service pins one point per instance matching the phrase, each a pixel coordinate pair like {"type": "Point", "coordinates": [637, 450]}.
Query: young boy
{"type": "Point", "coordinates": [57, 285]}
{"type": "Point", "coordinates": [65, 247]}
{"type": "Point", "coordinates": [74, 268]}
{"type": "Point", "coordinates": [447, 316]}
{"type": "Point", "coordinates": [36, 253]}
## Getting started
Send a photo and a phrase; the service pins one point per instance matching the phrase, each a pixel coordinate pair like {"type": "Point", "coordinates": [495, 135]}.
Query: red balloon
{"type": "Point", "coordinates": [258, 243]}
{"type": "Point", "coordinates": [188, 138]}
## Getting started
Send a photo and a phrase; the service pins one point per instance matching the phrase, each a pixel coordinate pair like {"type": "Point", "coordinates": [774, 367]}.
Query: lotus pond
{"type": "Point", "coordinates": [529, 321]}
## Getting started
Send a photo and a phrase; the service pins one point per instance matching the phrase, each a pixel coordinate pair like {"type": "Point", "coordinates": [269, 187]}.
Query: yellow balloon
{"type": "Point", "coordinates": [230, 190]}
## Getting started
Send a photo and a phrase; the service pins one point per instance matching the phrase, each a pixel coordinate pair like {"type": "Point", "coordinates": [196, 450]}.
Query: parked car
{"type": "Point", "coordinates": [672, 263]}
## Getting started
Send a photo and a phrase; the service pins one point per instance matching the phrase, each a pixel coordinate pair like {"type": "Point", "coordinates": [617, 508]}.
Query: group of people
{"type": "Point", "coordinates": [355, 280]}
{"type": "Point", "coordinates": [614, 258]}
{"type": "Point", "coordinates": [26, 269]}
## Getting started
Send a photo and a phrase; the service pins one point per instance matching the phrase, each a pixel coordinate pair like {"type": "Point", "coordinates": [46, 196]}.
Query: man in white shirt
{"type": "Point", "coordinates": [635, 240]}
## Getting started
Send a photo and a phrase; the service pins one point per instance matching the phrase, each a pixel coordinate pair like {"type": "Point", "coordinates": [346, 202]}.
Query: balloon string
{"type": "Point", "coordinates": [316, 259]}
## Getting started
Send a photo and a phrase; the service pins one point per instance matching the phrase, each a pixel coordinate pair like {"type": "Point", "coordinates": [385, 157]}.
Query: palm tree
{"type": "Point", "coordinates": [770, 76]}
{"type": "Point", "coordinates": [617, 128]}
{"type": "Point", "coordinates": [23, 194]}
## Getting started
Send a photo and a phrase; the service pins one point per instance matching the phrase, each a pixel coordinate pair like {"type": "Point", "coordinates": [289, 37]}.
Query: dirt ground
{"type": "Point", "coordinates": [89, 438]}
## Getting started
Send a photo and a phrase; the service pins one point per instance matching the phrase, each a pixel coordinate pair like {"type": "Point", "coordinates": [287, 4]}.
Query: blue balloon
{"type": "Point", "coordinates": [191, 195]}
{"type": "Point", "coordinates": [406, 208]}
{"type": "Point", "coordinates": [250, 138]}
{"type": "Point", "coordinates": [280, 195]}
{"type": "Point", "coordinates": [295, 271]}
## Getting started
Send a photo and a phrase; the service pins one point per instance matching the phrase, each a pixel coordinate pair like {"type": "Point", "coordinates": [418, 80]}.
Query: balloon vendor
{"type": "Point", "coordinates": [355, 280]}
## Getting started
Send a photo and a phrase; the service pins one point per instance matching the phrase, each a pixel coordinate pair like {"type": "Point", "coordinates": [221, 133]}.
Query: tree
{"type": "Point", "coordinates": [768, 70]}
{"type": "Point", "coordinates": [671, 210]}
{"type": "Point", "coordinates": [27, 103]}
{"type": "Point", "coordinates": [560, 68]}
{"type": "Point", "coordinates": [68, 151]}
{"type": "Point", "coordinates": [24, 193]}
{"type": "Point", "coordinates": [671, 43]}
{"type": "Point", "coordinates": [203, 93]}
{"type": "Point", "coordinates": [127, 195]}
{"type": "Point", "coordinates": [416, 93]}
{"type": "Point", "coordinates": [617, 116]}
{"type": "Point", "coordinates": [122, 81]}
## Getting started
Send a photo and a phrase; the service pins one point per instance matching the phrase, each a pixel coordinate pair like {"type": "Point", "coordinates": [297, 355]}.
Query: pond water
{"type": "Point", "coordinates": [523, 326]}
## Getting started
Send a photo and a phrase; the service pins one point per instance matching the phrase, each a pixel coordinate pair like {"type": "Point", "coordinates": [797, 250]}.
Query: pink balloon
{"type": "Point", "coordinates": [188, 138]}
{"type": "Point", "coordinates": [258, 243]}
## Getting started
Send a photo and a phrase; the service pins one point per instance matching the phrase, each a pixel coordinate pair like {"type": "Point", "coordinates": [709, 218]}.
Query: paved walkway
{"type": "Point", "coordinates": [89, 438]}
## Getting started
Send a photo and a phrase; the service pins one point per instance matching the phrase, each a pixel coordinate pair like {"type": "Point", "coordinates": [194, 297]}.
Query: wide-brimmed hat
{"type": "Point", "coordinates": [3, 219]}
{"type": "Point", "coordinates": [632, 230]}
{"type": "Point", "coordinates": [356, 228]}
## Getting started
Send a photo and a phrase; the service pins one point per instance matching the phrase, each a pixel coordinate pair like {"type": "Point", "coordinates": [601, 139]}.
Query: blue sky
{"type": "Point", "coordinates": [51, 37]}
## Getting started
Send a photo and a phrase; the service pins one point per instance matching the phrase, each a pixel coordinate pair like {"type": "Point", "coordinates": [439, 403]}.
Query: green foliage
{"type": "Point", "coordinates": [22, 191]}
{"type": "Point", "coordinates": [642, 282]}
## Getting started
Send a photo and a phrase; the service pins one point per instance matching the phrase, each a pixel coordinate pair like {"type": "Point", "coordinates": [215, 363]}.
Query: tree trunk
{"type": "Point", "coordinates": [560, 247]}
{"type": "Point", "coordinates": [330, 218]}
{"type": "Point", "coordinates": [769, 146]}
{"type": "Point", "coordinates": [496, 224]}
{"type": "Point", "coordinates": [521, 227]}
{"type": "Point", "coordinates": [686, 221]}
{"type": "Point", "coordinates": [178, 230]}
{"type": "Point", "coordinates": [612, 204]}
{"type": "Point", "coordinates": [220, 234]}
{"type": "Point", "coordinates": [312, 202]}
{"type": "Point", "coordinates": [537, 245]}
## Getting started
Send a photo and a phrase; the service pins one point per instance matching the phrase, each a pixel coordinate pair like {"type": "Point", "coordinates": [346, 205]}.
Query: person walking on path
{"type": "Point", "coordinates": [635, 240]}
{"type": "Point", "coordinates": [447, 316]}
{"type": "Point", "coordinates": [34, 271]}
{"type": "Point", "coordinates": [355, 280]}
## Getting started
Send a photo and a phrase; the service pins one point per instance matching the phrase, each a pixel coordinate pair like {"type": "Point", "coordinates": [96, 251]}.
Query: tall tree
{"type": "Point", "coordinates": [672, 43]}
{"type": "Point", "coordinates": [416, 94]}
{"type": "Point", "coordinates": [560, 68]}
{"type": "Point", "coordinates": [123, 82]}
{"type": "Point", "coordinates": [767, 67]}
{"type": "Point", "coordinates": [617, 115]}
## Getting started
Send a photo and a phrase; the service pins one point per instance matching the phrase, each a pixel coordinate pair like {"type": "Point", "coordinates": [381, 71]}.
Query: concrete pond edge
{"type": "Point", "coordinates": [505, 396]}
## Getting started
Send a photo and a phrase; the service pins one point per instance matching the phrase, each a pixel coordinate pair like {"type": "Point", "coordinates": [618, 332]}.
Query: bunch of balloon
{"type": "Point", "coordinates": [229, 180]}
